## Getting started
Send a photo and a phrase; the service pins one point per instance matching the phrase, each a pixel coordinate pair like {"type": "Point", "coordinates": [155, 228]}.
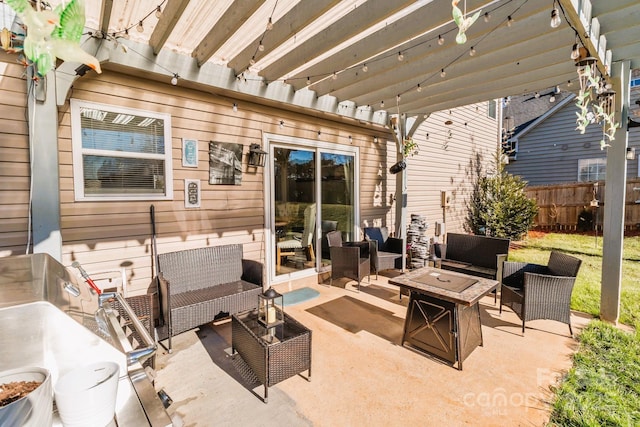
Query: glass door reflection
{"type": "Point", "coordinates": [295, 210]}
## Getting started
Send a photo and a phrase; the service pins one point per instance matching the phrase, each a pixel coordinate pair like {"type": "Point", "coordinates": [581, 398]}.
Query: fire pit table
{"type": "Point", "coordinates": [443, 318]}
{"type": "Point", "coordinates": [272, 354]}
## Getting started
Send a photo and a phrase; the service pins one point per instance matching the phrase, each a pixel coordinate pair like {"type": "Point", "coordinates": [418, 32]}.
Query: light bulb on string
{"type": "Point", "coordinates": [382, 104]}
{"type": "Point", "coordinates": [235, 107]}
{"type": "Point", "coordinates": [443, 73]}
{"type": "Point", "coordinates": [126, 34]}
{"type": "Point", "coordinates": [472, 51]}
{"type": "Point", "coordinates": [308, 81]}
{"type": "Point", "coordinates": [269, 24]}
{"type": "Point", "coordinates": [555, 17]}
{"type": "Point", "coordinates": [419, 88]}
{"type": "Point", "coordinates": [509, 21]}
{"type": "Point", "coordinates": [552, 98]}
{"type": "Point", "coordinates": [487, 17]}
{"type": "Point", "coordinates": [252, 61]}
{"type": "Point", "coordinates": [575, 50]}
{"type": "Point", "coordinates": [569, 83]}
{"type": "Point", "coordinates": [261, 46]}
{"type": "Point", "coordinates": [281, 124]}
{"type": "Point", "coordinates": [174, 79]}
{"type": "Point", "coordinates": [334, 76]}
{"type": "Point", "coordinates": [537, 95]}
{"type": "Point", "coordinates": [140, 27]}
{"type": "Point", "coordinates": [158, 12]}
{"type": "Point", "coordinates": [440, 40]}
{"type": "Point", "coordinates": [400, 57]}
{"type": "Point", "coordinates": [365, 68]}
{"type": "Point", "coordinates": [557, 89]}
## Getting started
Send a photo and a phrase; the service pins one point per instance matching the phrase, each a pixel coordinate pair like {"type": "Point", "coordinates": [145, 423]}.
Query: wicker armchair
{"type": "Point", "coordinates": [349, 259]}
{"type": "Point", "coordinates": [386, 253]}
{"type": "Point", "coordinates": [536, 291]}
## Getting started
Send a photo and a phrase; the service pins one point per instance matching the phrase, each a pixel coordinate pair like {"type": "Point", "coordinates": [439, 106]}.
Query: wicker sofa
{"type": "Point", "coordinates": [481, 256]}
{"type": "Point", "coordinates": [198, 285]}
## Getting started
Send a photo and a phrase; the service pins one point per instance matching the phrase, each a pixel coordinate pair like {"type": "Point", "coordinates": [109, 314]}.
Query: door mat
{"type": "Point", "coordinates": [446, 281]}
{"type": "Point", "coordinates": [299, 296]}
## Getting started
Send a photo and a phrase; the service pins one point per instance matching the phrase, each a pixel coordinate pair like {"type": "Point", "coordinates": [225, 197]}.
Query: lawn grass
{"type": "Point", "coordinates": [603, 386]}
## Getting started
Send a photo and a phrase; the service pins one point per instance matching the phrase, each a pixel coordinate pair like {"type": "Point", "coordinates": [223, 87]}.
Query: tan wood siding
{"type": "Point", "coordinates": [443, 162]}
{"type": "Point", "coordinates": [14, 161]}
{"type": "Point", "coordinates": [108, 235]}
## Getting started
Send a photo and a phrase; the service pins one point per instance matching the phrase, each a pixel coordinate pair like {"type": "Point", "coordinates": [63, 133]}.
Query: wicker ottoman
{"type": "Point", "coordinates": [275, 355]}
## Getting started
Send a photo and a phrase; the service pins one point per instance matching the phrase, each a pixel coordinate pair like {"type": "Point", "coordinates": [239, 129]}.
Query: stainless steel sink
{"type": "Point", "coordinates": [42, 324]}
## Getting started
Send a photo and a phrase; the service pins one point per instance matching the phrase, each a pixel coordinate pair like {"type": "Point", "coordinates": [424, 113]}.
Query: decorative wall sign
{"type": "Point", "coordinates": [225, 164]}
{"type": "Point", "coordinates": [191, 193]}
{"type": "Point", "coordinates": [190, 153]}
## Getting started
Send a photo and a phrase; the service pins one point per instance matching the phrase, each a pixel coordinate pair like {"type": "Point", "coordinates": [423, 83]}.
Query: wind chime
{"type": "Point", "coordinates": [462, 21]}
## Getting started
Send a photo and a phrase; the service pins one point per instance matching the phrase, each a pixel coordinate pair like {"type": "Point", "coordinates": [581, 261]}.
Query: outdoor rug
{"type": "Point", "coordinates": [299, 296]}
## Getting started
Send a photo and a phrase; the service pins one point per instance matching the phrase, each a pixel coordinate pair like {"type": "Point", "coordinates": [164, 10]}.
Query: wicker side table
{"type": "Point", "coordinates": [274, 355]}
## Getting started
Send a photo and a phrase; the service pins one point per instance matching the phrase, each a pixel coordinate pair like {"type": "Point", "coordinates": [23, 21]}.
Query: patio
{"type": "Point", "coordinates": [362, 376]}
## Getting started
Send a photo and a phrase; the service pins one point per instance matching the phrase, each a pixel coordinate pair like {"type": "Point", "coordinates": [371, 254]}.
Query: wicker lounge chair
{"type": "Point", "coordinates": [387, 251]}
{"type": "Point", "coordinates": [536, 291]}
{"type": "Point", "coordinates": [349, 259]}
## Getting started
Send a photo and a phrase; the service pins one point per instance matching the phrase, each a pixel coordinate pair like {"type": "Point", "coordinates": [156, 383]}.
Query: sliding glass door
{"type": "Point", "coordinates": [313, 192]}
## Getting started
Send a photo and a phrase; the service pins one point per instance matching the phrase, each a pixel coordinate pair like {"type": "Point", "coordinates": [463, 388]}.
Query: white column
{"type": "Point", "coordinates": [614, 200]}
{"type": "Point", "coordinates": [43, 143]}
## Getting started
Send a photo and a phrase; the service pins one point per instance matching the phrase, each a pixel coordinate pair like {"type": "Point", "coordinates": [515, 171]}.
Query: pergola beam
{"type": "Point", "coordinates": [170, 16]}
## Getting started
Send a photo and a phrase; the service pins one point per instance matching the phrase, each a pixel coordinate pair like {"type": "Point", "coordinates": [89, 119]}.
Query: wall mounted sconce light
{"type": "Point", "coordinates": [631, 153]}
{"type": "Point", "coordinates": [257, 156]}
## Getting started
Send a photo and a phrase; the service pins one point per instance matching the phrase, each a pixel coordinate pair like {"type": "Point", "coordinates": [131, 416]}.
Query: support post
{"type": "Point", "coordinates": [614, 200]}
{"type": "Point", "coordinates": [45, 180]}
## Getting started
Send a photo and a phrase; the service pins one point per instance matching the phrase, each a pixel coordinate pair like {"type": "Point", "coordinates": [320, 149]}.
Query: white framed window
{"type": "Point", "coordinates": [492, 109]}
{"type": "Point", "coordinates": [592, 169]}
{"type": "Point", "coordinates": [120, 153]}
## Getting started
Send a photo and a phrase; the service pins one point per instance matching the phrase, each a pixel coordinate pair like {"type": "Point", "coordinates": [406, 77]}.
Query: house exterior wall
{"type": "Point", "coordinates": [549, 153]}
{"type": "Point", "coordinates": [105, 235]}
{"type": "Point", "coordinates": [444, 162]}
{"type": "Point", "coordinates": [14, 161]}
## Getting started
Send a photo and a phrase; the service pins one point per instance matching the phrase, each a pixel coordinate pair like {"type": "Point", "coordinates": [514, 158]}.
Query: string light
{"type": "Point", "coordinates": [281, 124]}
{"type": "Point", "coordinates": [308, 81]}
{"type": "Point", "coordinates": [552, 98]}
{"type": "Point", "coordinates": [174, 79]}
{"type": "Point", "coordinates": [472, 51]}
{"type": "Point", "coordinates": [419, 88]}
{"type": "Point", "coordinates": [235, 107]}
{"type": "Point", "coordinates": [334, 76]}
{"type": "Point", "coordinates": [487, 17]}
{"type": "Point", "coordinates": [365, 68]}
{"type": "Point", "coordinates": [252, 61]}
{"type": "Point", "coordinates": [382, 104]}
{"type": "Point", "coordinates": [537, 95]}
{"type": "Point", "coordinates": [400, 57]}
{"type": "Point", "coordinates": [140, 27]}
{"type": "Point", "coordinates": [261, 46]}
{"type": "Point", "coordinates": [443, 73]}
{"type": "Point", "coordinates": [509, 21]}
{"type": "Point", "coordinates": [555, 17]}
{"type": "Point", "coordinates": [158, 12]}
{"type": "Point", "coordinates": [269, 24]}
{"type": "Point", "coordinates": [557, 89]}
{"type": "Point", "coordinates": [440, 40]}
{"type": "Point", "coordinates": [569, 83]}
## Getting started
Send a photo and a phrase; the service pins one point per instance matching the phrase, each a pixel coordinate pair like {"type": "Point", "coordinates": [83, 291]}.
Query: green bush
{"type": "Point", "coordinates": [498, 205]}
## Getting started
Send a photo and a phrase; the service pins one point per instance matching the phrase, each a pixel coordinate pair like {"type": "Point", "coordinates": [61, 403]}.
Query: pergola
{"type": "Point", "coordinates": [367, 60]}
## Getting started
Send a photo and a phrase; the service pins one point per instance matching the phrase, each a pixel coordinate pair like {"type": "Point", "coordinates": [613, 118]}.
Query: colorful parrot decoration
{"type": "Point", "coordinates": [53, 34]}
{"type": "Point", "coordinates": [462, 22]}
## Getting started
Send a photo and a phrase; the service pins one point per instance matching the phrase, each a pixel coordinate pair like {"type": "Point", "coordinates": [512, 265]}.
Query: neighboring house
{"type": "Point", "coordinates": [120, 142]}
{"type": "Point", "coordinates": [546, 149]}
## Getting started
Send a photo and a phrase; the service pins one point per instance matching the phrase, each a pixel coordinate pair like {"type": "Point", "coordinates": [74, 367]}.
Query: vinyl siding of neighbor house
{"type": "Point", "coordinates": [549, 152]}
{"type": "Point", "coordinates": [14, 161]}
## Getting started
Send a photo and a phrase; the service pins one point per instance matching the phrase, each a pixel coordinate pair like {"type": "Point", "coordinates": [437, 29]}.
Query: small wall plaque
{"type": "Point", "coordinates": [190, 153]}
{"type": "Point", "coordinates": [191, 193]}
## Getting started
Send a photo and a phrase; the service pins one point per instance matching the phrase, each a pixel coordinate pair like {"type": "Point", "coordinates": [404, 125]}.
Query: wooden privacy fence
{"type": "Point", "coordinates": [579, 206]}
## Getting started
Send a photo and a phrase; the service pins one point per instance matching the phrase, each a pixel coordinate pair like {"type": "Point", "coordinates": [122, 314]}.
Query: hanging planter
{"type": "Point", "coordinates": [409, 147]}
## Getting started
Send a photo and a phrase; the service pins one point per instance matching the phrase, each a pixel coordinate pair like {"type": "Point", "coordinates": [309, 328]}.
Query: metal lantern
{"type": "Point", "coordinates": [268, 314]}
{"type": "Point", "coordinates": [257, 156]}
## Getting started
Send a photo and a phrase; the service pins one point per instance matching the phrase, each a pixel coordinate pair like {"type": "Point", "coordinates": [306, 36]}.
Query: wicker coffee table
{"type": "Point", "coordinates": [272, 355]}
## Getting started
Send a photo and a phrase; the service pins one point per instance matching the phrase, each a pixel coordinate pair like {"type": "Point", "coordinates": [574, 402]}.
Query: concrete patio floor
{"type": "Point", "coordinates": [361, 375]}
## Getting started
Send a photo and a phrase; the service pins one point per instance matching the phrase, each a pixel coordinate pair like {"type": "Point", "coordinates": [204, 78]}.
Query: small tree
{"type": "Point", "coordinates": [498, 205]}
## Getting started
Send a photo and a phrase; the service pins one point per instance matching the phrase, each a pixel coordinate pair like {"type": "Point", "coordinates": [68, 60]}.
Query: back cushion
{"type": "Point", "coordinates": [379, 234]}
{"type": "Point", "coordinates": [193, 269]}
{"type": "Point", "coordinates": [476, 250]}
